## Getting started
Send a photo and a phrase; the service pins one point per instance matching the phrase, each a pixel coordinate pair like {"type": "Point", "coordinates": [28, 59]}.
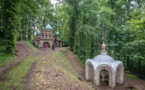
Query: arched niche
{"type": "Point", "coordinates": [89, 71]}
{"type": "Point", "coordinates": [111, 75]}
{"type": "Point", "coordinates": [46, 44]}
{"type": "Point", "coordinates": [104, 76]}
{"type": "Point", "coordinates": [120, 74]}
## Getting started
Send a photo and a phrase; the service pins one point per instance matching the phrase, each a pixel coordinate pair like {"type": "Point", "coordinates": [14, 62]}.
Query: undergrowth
{"type": "Point", "coordinates": [131, 75]}
{"type": "Point", "coordinates": [5, 58]}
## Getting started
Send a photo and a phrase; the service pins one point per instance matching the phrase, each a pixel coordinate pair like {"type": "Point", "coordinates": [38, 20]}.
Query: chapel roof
{"type": "Point", "coordinates": [38, 33]}
{"type": "Point", "coordinates": [48, 27]}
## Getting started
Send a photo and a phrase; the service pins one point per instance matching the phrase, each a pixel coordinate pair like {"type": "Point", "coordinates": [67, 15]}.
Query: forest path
{"type": "Point", "coordinates": [55, 72]}
{"type": "Point", "coordinates": [23, 51]}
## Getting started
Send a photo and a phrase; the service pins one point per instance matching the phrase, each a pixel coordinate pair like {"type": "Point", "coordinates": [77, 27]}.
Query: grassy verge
{"type": "Point", "coordinates": [131, 75]}
{"type": "Point", "coordinates": [29, 43]}
{"type": "Point", "coordinates": [13, 80]}
{"type": "Point", "coordinates": [68, 69]}
{"type": "Point", "coordinates": [5, 58]}
{"type": "Point", "coordinates": [65, 64]}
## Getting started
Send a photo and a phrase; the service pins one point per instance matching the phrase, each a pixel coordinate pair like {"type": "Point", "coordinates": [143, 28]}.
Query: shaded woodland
{"type": "Point", "coordinates": [81, 24]}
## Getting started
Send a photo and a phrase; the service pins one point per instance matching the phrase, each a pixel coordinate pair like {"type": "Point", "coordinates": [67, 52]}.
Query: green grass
{"type": "Point", "coordinates": [29, 43]}
{"type": "Point", "coordinates": [13, 79]}
{"type": "Point", "coordinates": [131, 75]}
{"type": "Point", "coordinates": [16, 75]}
{"type": "Point", "coordinates": [5, 58]}
{"type": "Point", "coordinates": [65, 65]}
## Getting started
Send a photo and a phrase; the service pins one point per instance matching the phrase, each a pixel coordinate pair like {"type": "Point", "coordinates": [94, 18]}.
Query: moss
{"type": "Point", "coordinates": [80, 78]}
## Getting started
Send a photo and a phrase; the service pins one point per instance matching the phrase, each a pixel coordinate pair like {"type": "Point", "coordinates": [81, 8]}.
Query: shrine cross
{"type": "Point", "coordinates": [103, 36]}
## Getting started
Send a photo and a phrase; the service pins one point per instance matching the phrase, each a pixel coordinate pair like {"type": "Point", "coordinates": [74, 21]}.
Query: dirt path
{"type": "Point", "coordinates": [49, 74]}
{"type": "Point", "coordinates": [22, 52]}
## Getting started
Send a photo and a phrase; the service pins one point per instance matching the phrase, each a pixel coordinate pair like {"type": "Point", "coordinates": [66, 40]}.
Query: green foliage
{"type": "Point", "coordinates": [81, 24]}
{"type": "Point", "coordinates": [5, 58]}
{"type": "Point", "coordinates": [20, 18]}
{"type": "Point", "coordinates": [131, 75]}
{"type": "Point", "coordinates": [137, 23]}
{"type": "Point", "coordinates": [80, 78]}
{"type": "Point", "coordinates": [121, 21]}
{"type": "Point", "coordinates": [7, 22]}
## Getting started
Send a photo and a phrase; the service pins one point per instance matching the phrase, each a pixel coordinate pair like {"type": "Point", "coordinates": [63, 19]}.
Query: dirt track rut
{"type": "Point", "coordinates": [22, 52]}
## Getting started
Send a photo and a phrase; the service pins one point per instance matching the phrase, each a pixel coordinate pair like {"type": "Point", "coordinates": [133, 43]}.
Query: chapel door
{"type": "Point", "coordinates": [46, 45]}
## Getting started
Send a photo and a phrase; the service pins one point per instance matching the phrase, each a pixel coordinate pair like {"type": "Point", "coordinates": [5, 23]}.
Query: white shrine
{"type": "Point", "coordinates": [104, 68]}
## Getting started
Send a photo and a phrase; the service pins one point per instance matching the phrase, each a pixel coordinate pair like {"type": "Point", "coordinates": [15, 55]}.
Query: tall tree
{"type": "Point", "coordinates": [9, 30]}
